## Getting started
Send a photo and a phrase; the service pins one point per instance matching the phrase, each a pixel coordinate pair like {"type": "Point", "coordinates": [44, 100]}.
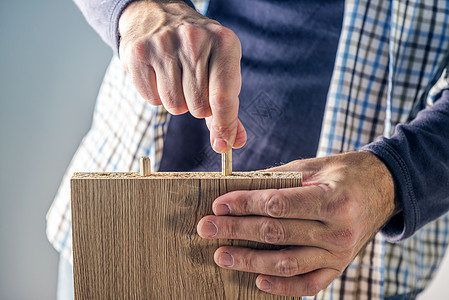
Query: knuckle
{"type": "Point", "coordinates": [227, 38]}
{"type": "Point", "coordinates": [245, 206]}
{"type": "Point", "coordinates": [174, 106]}
{"type": "Point", "coordinates": [247, 262]}
{"type": "Point", "coordinates": [144, 88]}
{"type": "Point", "coordinates": [344, 238]}
{"type": "Point", "coordinates": [162, 49]}
{"type": "Point", "coordinates": [312, 287]}
{"type": "Point", "coordinates": [344, 259]}
{"type": "Point", "coordinates": [200, 111]}
{"type": "Point", "coordinates": [272, 232]}
{"type": "Point", "coordinates": [343, 207]}
{"type": "Point", "coordinates": [322, 194]}
{"type": "Point", "coordinates": [276, 205]}
{"type": "Point", "coordinates": [199, 104]}
{"type": "Point", "coordinates": [288, 267]}
{"type": "Point", "coordinates": [139, 51]}
{"type": "Point", "coordinates": [221, 102]}
{"type": "Point", "coordinates": [230, 230]}
{"type": "Point", "coordinates": [162, 41]}
{"type": "Point", "coordinates": [192, 33]}
{"type": "Point", "coordinates": [193, 40]}
{"type": "Point", "coordinates": [317, 235]}
{"type": "Point", "coordinates": [221, 131]}
{"type": "Point", "coordinates": [153, 100]}
{"type": "Point", "coordinates": [285, 288]}
{"type": "Point", "coordinates": [349, 207]}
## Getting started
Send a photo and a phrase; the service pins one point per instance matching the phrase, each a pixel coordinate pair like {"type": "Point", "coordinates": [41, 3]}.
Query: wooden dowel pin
{"type": "Point", "coordinates": [145, 166]}
{"type": "Point", "coordinates": [226, 163]}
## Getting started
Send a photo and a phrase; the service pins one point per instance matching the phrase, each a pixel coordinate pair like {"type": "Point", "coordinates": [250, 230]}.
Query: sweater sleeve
{"type": "Point", "coordinates": [417, 156]}
{"type": "Point", "coordinates": [103, 16]}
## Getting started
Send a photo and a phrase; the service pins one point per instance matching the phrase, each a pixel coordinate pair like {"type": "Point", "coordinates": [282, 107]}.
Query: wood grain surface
{"type": "Point", "coordinates": [135, 237]}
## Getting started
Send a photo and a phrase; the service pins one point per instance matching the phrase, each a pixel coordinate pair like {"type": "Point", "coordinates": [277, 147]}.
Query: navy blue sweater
{"type": "Point", "coordinates": [417, 155]}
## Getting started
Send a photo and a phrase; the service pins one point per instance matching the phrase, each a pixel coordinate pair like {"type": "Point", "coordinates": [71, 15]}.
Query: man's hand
{"type": "Point", "coordinates": [345, 199]}
{"type": "Point", "coordinates": [186, 62]}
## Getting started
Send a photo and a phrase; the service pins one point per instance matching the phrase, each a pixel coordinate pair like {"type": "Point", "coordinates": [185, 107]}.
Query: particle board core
{"type": "Point", "coordinates": [135, 237]}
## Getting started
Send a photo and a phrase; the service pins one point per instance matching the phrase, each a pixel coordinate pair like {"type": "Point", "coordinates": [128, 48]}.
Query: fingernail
{"type": "Point", "coordinates": [220, 145]}
{"type": "Point", "coordinates": [265, 285]}
{"type": "Point", "coordinates": [222, 209]}
{"type": "Point", "coordinates": [209, 229]}
{"type": "Point", "coordinates": [226, 260]}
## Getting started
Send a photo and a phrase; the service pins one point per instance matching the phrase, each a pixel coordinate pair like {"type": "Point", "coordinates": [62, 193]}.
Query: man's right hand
{"type": "Point", "coordinates": [187, 62]}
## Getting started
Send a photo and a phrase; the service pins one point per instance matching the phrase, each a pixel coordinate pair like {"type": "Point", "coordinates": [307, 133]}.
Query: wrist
{"type": "Point", "coordinates": [148, 12]}
{"type": "Point", "coordinates": [387, 184]}
{"type": "Point", "coordinates": [144, 17]}
{"type": "Point", "coordinates": [130, 16]}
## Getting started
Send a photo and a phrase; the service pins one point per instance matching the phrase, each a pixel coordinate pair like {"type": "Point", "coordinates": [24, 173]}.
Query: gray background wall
{"type": "Point", "coordinates": [51, 66]}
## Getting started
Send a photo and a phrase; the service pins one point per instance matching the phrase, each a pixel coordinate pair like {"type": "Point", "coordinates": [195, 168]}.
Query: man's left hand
{"type": "Point", "coordinates": [343, 202]}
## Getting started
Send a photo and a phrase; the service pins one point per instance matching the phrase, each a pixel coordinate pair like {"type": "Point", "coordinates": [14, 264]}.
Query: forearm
{"type": "Point", "coordinates": [104, 16]}
{"type": "Point", "coordinates": [417, 155]}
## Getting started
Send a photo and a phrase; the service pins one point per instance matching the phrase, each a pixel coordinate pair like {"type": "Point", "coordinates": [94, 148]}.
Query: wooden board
{"type": "Point", "coordinates": [135, 237]}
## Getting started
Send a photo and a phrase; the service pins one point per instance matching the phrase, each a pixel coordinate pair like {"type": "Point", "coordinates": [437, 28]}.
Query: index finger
{"type": "Point", "coordinates": [224, 89]}
{"type": "Point", "coordinates": [292, 203]}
